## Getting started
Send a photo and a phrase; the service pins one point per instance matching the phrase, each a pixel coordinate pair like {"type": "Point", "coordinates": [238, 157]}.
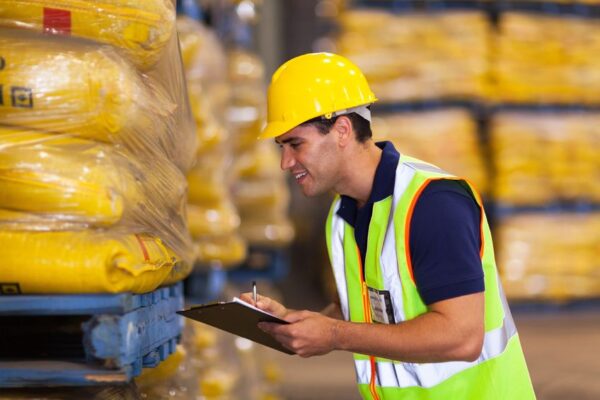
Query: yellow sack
{"type": "Point", "coordinates": [140, 28]}
{"type": "Point", "coordinates": [218, 220]}
{"type": "Point", "coordinates": [207, 181]}
{"type": "Point", "coordinates": [69, 86]}
{"type": "Point", "coordinates": [60, 180]}
{"type": "Point", "coordinates": [83, 261]}
{"type": "Point", "coordinates": [227, 250]}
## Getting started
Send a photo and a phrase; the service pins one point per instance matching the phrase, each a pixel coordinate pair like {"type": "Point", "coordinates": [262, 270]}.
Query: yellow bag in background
{"type": "Point", "coordinates": [85, 261]}
{"type": "Point", "coordinates": [220, 219]}
{"type": "Point", "coordinates": [227, 251]}
{"type": "Point", "coordinates": [140, 28]}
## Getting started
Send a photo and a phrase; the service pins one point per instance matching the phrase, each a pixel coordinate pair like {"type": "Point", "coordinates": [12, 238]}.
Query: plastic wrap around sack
{"type": "Point", "coordinates": [51, 182]}
{"type": "Point", "coordinates": [84, 261]}
{"type": "Point", "coordinates": [64, 85]}
{"type": "Point", "coordinates": [60, 182]}
{"type": "Point", "coordinates": [140, 28]}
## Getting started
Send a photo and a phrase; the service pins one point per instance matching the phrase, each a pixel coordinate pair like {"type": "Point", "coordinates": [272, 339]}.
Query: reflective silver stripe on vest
{"type": "Point", "coordinates": [403, 375]}
{"type": "Point", "coordinates": [337, 255]}
{"type": "Point", "coordinates": [427, 167]}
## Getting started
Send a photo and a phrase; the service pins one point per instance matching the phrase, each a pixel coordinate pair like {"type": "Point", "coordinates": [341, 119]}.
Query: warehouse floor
{"type": "Point", "coordinates": [562, 351]}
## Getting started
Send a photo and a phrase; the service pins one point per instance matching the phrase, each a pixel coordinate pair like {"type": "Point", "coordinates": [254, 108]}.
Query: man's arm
{"type": "Point", "coordinates": [452, 330]}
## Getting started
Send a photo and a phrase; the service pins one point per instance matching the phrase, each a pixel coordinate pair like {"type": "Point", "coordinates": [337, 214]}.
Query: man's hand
{"type": "Point", "coordinates": [266, 304]}
{"type": "Point", "coordinates": [308, 334]}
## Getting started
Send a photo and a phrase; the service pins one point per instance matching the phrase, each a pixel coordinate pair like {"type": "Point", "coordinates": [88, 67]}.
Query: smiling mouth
{"type": "Point", "coordinates": [300, 175]}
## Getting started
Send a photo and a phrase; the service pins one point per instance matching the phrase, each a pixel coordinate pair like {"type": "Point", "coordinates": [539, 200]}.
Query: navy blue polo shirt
{"type": "Point", "coordinates": [444, 232]}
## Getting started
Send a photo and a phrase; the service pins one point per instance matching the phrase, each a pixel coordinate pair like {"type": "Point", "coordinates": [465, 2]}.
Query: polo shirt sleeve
{"type": "Point", "coordinates": [445, 242]}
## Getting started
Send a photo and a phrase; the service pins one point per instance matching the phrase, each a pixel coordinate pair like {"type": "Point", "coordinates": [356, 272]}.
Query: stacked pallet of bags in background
{"type": "Point", "coordinates": [95, 139]}
{"type": "Point", "coordinates": [546, 159]}
{"type": "Point", "coordinates": [543, 160]}
{"type": "Point", "coordinates": [212, 216]}
{"type": "Point", "coordinates": [550, 256]}
{"type": "Point", "coordinates": [415, 55]}
{"type": "Point", "coordinates": [546, 58]}
{"type": "Point", "coordinates": [446, 137]}
{"type": "Point", "coordinates": [533, 75]}
{"type": "Point", "coordinates": [260, 191]}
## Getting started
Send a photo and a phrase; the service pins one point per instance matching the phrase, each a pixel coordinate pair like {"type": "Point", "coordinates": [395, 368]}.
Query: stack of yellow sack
{"type": "Point", "coordinates": [212, 217]}
{"type": "Point", "coordinates": [413, 56]}
{"type": "Point", "coordinates": [550, 256]}
{"type": "Point", "coordinates": [260, 191]}
{"type": "Point", "coordinates": [446, 137]}
{"type": "Point", "coordinates": [546, 58]}
{"type": "Point", "coordinates": [95, 137]}
{"type": "Point", "coordinates": [542, 157]}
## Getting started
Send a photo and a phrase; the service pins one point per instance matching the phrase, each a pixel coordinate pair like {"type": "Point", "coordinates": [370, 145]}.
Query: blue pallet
{"type": "Point", "coordinates": [123, 334]}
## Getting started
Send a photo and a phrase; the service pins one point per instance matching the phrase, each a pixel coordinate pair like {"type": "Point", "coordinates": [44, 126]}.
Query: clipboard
{"type": "Point", "coordinates": [239, 318]}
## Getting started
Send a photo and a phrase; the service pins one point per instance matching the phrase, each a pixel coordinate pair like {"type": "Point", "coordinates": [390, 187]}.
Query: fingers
{"type": "Point", "coordinates": [248, 298]}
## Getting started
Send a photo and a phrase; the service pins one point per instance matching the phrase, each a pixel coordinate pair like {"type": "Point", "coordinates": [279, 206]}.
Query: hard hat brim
{"type": "Point", "coordinates": [276, 128]}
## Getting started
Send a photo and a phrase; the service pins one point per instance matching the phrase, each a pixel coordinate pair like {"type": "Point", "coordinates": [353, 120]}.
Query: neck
{"type": "Point", "coordinates": [360, 172]}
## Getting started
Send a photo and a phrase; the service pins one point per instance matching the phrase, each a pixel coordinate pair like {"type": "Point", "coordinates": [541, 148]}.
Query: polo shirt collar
{"type": "Point", "coordinates": [383, 183]}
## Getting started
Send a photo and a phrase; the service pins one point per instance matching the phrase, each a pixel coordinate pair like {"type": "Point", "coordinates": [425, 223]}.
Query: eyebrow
{"type": "Point", "coordinates": [286, 140]}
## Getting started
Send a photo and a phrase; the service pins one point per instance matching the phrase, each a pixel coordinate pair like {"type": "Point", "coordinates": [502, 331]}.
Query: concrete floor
{"type": "Point", "coordinates": [562, 351]}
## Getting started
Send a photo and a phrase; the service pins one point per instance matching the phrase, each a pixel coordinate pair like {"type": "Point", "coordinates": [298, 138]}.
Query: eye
{"type": "Point", "coordinates": [295, 145]}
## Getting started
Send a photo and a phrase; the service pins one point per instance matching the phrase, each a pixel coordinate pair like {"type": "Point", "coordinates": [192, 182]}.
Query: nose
{"type": "Point", "coordinates": [287, 159]}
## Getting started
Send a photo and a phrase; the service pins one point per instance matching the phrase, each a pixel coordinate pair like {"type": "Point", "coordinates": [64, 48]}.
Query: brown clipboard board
{"type": "Point", "coordinates": [239, 318]}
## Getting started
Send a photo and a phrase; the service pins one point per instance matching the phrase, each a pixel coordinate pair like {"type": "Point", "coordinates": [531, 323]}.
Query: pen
{"type": "Point", "coordinates": [254, 291]}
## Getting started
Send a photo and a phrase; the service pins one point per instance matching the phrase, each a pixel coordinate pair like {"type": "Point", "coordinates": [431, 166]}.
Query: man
{"type": "Point", "coordinates": [420, 302]}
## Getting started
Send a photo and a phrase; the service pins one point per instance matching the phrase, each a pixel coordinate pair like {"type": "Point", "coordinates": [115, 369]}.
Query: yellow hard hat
{"type": "Point", "coordinates": [312, 85]}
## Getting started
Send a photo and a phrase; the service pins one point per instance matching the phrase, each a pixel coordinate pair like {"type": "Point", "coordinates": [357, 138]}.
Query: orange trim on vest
{"type": "Point", "coordinates": [481, 217]}
{"type": "Point", "coordinates": [411, 209]}
{"type": "Point", "coordinates": [367, 314]}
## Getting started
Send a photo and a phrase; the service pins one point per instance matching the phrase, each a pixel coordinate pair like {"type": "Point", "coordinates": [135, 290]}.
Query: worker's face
{"type": "Point", "coordinates": [311, 157]}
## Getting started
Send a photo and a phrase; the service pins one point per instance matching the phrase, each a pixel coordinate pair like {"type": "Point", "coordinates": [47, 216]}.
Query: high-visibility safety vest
{"type": "Point", "coordinates": [500, 372]}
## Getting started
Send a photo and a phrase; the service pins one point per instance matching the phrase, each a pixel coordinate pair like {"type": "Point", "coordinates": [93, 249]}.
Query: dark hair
{"type": "Point", "coordinates": [361, 126]}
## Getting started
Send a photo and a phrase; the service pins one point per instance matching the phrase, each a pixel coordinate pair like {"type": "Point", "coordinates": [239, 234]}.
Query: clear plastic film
{"type": "Point", "coordinates": [96, 135]}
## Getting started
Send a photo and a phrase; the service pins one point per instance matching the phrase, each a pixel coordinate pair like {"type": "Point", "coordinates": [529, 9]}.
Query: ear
{"type": "Point", "coordinates": [344, 130]}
